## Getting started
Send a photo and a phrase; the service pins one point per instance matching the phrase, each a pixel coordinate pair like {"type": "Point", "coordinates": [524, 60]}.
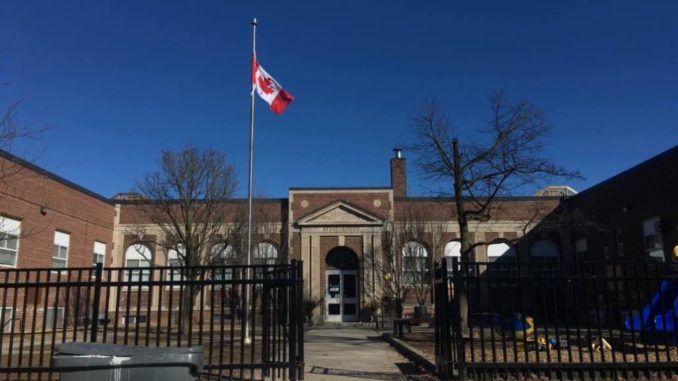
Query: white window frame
{"type": "Point", "coordinates": [62, 240]}
{"type": "Point", "coordinates": [494, 251]}
{"type": "Point", "coordinates": [223, 254]}
{"type": "Point", "coordinates": [99, 250]}
{"type": "Point", "coordinates": [652, 231]}
{"type": "Point", "coordinates": [453, 250]}
{"type": "Point", "coordinates": [133, 319]}
{"type": "Point", "coordinates": [418, 252]}
{"type": "Point", "coordinates": [173, 256]}
{"type": "Point", "coordinates": [141, 253]}
{"type": "Point", "coordinates": [10, 228]}
{"type": "Point", "coordinates": [265, 253]}
{"type": "Point", "coordinates": [6, 322]}
{"type": "Point", "coordinates": [49, 322]}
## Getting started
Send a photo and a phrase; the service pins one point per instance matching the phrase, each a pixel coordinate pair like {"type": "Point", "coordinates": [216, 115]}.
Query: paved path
{"type": "Point", "coordinates": [343, 354]}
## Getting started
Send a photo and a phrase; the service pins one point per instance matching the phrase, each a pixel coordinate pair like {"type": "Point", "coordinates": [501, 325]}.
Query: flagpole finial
{"type": "Point", "coordinates": [254, 21]}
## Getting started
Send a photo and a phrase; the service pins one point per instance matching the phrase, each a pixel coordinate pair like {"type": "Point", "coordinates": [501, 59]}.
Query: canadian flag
{"type": "Point", "coordinates": [269, 89]}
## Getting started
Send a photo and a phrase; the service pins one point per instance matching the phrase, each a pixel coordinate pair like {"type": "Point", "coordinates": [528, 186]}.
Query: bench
{"type": "Point", "coordinates": [398, 324]}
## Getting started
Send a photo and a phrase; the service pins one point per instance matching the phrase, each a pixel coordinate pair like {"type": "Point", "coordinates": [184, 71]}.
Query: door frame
{"type": "Point", "coordinates": [342, 317]}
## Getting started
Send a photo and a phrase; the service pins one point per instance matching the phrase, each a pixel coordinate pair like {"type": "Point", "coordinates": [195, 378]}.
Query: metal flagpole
{"type": "Point", "coordinates": [245, 320]}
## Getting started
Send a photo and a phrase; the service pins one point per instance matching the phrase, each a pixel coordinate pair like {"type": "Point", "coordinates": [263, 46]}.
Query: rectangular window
{"type": "Point", "coordinates": [605, 244]}
{"type": "Point", "coordinates": [652, 239]}
{"type": "Point", "coordinates": [134, 319]}
{"type": "Point", "coordinates": [619, 239]}
{"type": "Point", "coordinates": [581, 252]}
{"type": "Point", "coordinates": [60, 254]}
{"type": "Point", "coordinates": [99, 253]}
{"type": "Point", "coordinates": [6, 319]}
{"type": "Point", "coordinates": [9, 241]}
{"type": "Point", "coordinates": [54, 319]}
{"type": "Point", "coordinates": [581, 249]}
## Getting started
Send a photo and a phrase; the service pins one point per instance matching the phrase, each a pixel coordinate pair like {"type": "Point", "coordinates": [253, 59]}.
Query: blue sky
{"type": "Point", "coordinates": [117, 81]}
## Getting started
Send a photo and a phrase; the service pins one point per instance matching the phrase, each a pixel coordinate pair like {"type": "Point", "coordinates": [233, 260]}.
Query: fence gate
{"type": "Point", "coordinates": [157, 307]}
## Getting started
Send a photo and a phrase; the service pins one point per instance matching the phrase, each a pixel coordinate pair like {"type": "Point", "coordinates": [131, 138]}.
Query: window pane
{"type": "Point", "coordinates": [7, 257]}
{"type": "Point", "coordinates": [11, 242]}
{"type": "Point", "coordinates": [58, 263]}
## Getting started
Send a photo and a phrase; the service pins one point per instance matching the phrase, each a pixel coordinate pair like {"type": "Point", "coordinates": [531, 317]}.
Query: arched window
{"type": "Point", "coordinates": [175, 259]}
{"type": "Point", "coordinates": [265, 254]}
{"type": "Point", "coordinates": [500, 250]}
{"type": "Point", "coordinates": [137, 257]}
{"type": "Point", "coordinates": [544, 251]}
{"type": "Point", "coordinates": [416, 269]}
{"type": "Point", "coordinates": [222, 255]}
{"type": "Point", "coordinates": [452, 250]}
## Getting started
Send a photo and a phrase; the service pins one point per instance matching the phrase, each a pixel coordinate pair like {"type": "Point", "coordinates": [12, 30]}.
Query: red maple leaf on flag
{"type": "Point", "coordinates": [265, 84]}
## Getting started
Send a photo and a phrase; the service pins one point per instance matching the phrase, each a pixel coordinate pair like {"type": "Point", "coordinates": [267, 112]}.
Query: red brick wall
{"type": "Point", "coordinates": [273, 210]}
{"type": "Point", "coordinates": [444, 209]}
{"type": "Point", "coordinates": [83, 216]}
{"type": "Point", "coordinates": [399, 177]}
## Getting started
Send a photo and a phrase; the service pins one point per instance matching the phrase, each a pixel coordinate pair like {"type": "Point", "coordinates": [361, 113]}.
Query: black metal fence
{"type": "Point", "coordinates": [157, 307]}
{"type": "Point", "coordinates": [556, 320]}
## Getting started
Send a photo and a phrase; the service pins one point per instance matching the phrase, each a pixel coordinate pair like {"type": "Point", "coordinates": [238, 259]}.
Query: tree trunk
{"type": "Point", "coordinates": [461, 293]}
{"type": "Point", "coordinates": [187, 300]}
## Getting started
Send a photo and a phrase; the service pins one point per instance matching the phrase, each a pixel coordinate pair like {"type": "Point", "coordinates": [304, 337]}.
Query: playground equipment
{"type": "Point", "coordinates": [518, 326]}
{"type": "Point", "coordinates": [660, 314]}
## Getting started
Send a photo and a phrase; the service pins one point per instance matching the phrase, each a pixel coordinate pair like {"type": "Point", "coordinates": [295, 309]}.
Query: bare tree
{"type": "Point", "coordinates": [266, 229]}
{"type": "Point", "coordinates": [413, 243]}
{"type": "Point", "coordinates": [12, 131]}
{"type": "Point", "coordinates": [186, 199]}
{"type": "Point", "coordinates": [506, 155]}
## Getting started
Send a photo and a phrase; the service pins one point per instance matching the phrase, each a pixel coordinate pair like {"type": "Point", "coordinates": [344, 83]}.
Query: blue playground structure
{"type": "Point", "coordinates": [661, 314]}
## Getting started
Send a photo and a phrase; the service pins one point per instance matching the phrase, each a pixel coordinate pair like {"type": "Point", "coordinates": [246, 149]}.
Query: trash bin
{"type": "Point", "coordinates": [109, 362]}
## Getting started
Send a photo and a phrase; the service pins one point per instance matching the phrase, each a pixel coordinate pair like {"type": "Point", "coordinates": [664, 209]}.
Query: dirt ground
{"type": "Point", "coordinates": [571, 351]}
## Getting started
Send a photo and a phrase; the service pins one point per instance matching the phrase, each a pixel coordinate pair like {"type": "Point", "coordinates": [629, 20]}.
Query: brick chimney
{"type": "Point", "coordinates": [399, 174]}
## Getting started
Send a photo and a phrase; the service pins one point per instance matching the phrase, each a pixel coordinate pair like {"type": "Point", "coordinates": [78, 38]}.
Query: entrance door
{"type": "Point", "coordinates": [341, 295]}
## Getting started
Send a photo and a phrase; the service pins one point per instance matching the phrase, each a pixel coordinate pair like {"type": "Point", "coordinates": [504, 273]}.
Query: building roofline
{"type": "Point", "coordinates": [338, 188]}
{"type": "Point", "coordinates": [651, 160]}
{"type": "Point", "coordinates": [498, 198]}
{"type": "Point", "coordinates": [230, 200]}
{"type": "Point", "coordinates": [42, 171]}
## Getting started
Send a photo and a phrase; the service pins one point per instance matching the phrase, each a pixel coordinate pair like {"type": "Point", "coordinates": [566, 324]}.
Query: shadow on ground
{"type": "Point", "coordinates": [408, 371]}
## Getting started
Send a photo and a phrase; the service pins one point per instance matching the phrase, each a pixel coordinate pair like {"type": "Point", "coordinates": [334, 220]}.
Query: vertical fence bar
{"type": "Point", "coordinates": [299, 281]}
{"type": "Point", "coordinates": [292, 328]}
{"type": "Point", "coordinates": [458, 278]}
{"type": "Point", "coordinates": [95, 303]}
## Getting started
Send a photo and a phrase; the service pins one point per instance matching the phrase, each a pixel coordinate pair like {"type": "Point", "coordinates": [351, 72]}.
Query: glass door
{"type": "Point", "coordinates": [333, 295]}
{"type": "Point", "coordinates": [349, 295]}
{"type": "Point", "coordinates": [341, 295]}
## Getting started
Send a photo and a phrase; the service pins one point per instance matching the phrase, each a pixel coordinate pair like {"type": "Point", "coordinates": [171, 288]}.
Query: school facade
{"type": "Point", "coordinates": [346, 237]}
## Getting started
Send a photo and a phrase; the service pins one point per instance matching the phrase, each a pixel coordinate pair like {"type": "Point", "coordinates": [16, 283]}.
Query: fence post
{"type": "Point", "coordinates": [456, 320]}
{"type": "Point", "coordinates": [441, 321]}
{"type": "Point", "coordinates": [299, 284]}
{"type": "Point", "coordinates": [95, 302]}
{"type": "Point", "coordinates": [292, 322]}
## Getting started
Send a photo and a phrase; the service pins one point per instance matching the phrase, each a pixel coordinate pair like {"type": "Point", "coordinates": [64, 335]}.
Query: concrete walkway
{"type": "Point", "coordinates": [345, 354]}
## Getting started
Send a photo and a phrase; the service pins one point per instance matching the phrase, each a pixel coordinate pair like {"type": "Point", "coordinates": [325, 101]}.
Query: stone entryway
{"type": "Point", "coordinates": [345, 354]}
